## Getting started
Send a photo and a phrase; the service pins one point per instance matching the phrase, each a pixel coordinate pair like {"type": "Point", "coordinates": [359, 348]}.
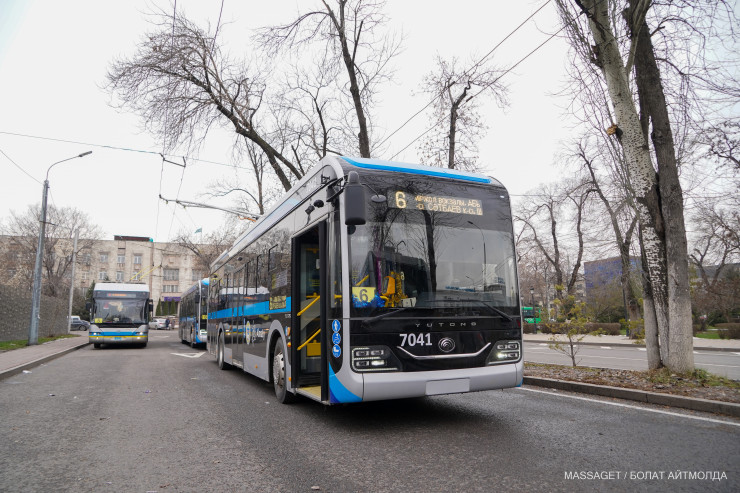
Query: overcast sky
{"type": "Point", "coordinates": [54, 56]}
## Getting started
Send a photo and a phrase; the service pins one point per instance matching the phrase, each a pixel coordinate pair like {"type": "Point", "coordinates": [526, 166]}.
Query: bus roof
{"type": "Point", "coordinates": [418, 169]}
{"type": "Point", "coordinates": [120, 286]}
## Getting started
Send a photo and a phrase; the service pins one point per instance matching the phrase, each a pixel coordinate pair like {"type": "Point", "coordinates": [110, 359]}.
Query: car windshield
{"type": "Point", "coordinates": [430, 250]}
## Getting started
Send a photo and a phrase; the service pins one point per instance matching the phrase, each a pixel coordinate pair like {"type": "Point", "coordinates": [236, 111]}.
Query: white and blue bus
{"type": "Point", "coordinates": [120, 314]}
{"type": "Point", "coordinates": [193, 314]}
{"type": "Point", "coordinates": [373, 280]}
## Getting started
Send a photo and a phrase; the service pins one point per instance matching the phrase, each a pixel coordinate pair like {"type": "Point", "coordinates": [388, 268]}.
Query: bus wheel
{"type": "Point", "coordinates": [96, 345]}
{"type": "Point", "coordinates": [192, 340]}
{"type": "Point", "coordinates": [278, 376]}
{"type": "Point", "coordinates": [222, 365]}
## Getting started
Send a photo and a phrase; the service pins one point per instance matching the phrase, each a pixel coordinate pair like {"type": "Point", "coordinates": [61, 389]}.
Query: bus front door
{"type": "Point", "coordinates": [308, 336]}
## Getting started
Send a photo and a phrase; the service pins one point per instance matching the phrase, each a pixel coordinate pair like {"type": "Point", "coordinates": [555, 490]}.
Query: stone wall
{"type": "Point", "coordinates": [15, 314]}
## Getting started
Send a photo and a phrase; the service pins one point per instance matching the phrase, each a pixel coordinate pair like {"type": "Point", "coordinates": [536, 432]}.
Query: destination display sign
{"type": "Point", "coordinates": [436, 203]}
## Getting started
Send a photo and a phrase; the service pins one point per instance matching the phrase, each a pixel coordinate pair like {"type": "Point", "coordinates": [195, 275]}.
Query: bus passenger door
{"type": "Point", "coordinates": [309, 314]}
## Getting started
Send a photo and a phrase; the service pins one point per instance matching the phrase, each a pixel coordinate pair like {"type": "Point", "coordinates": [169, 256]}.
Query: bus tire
{"type": "Point", "coordinates": [279, 378]}
{"type": "Point", "coordinates": [222, 364]}
{"type": "Point", "coordinates": [192, 340]}
{"type": "Point", "coordinates": [96, 345]}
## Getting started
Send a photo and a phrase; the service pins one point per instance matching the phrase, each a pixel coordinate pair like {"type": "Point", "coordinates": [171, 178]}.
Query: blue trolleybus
{"type": "Point", "coordinates": [120, 314]}
{"type": "Point", "coordinates": [373, 280]}
{"type": "Point", "coordinates": [193, 315]}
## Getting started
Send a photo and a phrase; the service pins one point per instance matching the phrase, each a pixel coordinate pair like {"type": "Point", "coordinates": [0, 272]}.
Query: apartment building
{"type": "Point", "coordinates": [168, 268]}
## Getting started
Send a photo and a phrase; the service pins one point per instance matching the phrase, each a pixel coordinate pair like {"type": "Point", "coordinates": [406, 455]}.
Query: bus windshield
{"type": "Point", "coordinates": [430, 250]}
{"type": "Point", "coordinates": [128, 311]}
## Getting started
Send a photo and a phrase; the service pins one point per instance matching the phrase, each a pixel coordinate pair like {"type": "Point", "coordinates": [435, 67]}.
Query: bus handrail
{"type": "Point", "coordinates": [308, 306]}
{"type": "Point", "coordinates": [308, 340]}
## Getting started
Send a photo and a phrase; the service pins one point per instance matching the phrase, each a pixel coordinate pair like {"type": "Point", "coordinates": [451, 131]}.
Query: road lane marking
{"type": "Point", "coordinates": [618, 404]}
{"type": "Point", "coordinates": [189, 355]}
{"type": "Point", "coordinates": [605, 347]}
{"type": "Point", "coordinates": [723, 366]}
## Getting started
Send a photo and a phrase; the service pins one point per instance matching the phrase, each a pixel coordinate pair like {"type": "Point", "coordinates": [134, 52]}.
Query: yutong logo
{"type": "Point", "coordinates": [446, 344]}
{"type": "Point", "coordinates": [431, 325]}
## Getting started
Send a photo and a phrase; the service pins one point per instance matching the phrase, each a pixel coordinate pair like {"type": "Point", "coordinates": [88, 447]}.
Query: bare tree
{"type": "Point", "coordinates": [310, 94]}
{"type": "Point", "coordinates": [723, 143]}
{"type": "Point", "coordinates": [22, 241]}
{"type": "Point", "coordinates": [716, 253]}
{"type": "Point", "coordinates": [182, 84]}
{"type": "Point", "coordinates": [207, 249]}
{"type": "Point", "coordinates": [616, 210]}
{"type": "Point", "coordinates": [541, 216]}
{"type": "Point", "coordinates": [457, 101]}
{"type": "Point", "coordinates": [347, 33]}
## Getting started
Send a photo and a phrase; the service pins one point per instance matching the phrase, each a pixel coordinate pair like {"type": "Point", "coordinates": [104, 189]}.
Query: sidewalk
{"type": "Point", "coordinates": [699, 344]}
{"type": "Point", "coordinates": [17, 360]}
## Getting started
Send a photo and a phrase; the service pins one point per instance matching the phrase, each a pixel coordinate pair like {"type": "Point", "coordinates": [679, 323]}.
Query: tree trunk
{"type": "Point", "coordinates": [354, 88]}
{"type": "Point", "coordinates": [650, 91]}
{"type": "Point", "coordinates": [453, 123]}
{"type": "Point", "coordinates": [650, 322]}
{"type": "Point", "coordinates": [639, 167]}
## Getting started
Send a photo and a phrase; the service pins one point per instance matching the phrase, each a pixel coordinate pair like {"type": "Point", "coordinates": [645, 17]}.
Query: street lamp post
{"type": "Point", "coordinates": [33, 329]}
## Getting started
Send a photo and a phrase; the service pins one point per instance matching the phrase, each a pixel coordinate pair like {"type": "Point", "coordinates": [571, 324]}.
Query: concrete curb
{"type": "Point", "coordinates": [622, 344]}
{"type": "Point", "coordinates": [25, 366]}
{"type": "Point", "coordinates": [704, 405]}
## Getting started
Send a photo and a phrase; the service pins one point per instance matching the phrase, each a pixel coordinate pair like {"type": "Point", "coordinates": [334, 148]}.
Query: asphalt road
{"type": "Point", "coordinates": [164, 418]}
{"type": "Point", "coordinates": [723, 363]}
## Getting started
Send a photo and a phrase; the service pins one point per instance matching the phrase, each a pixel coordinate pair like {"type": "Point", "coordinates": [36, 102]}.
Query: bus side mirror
{"type": "Point", "coordinates": [88, 306]}
{"type": "Point", "coordinates": [150, 306]}
{"type": "Point", "coordinates": [354, 201]}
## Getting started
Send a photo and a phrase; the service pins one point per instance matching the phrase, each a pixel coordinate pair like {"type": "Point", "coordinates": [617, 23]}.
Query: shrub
{"type": "Point", "coordinates": [529, 328]}
{"type": "Point", "coordinates": [552, 328]}
{"type": "Point", "coordinates": [610, 329]}
{"type": "Point", "coordinates": [728, 326]}
{"type": "Point", "coordinates": [728, 331]}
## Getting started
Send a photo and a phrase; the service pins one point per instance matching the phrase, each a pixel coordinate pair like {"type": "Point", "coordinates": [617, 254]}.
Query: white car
{"type": "Point", "coordinates": [157, 323]}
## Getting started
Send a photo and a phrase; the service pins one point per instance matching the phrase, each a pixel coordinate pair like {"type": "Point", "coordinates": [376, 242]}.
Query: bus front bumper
{"type": "Point", "coordinates": [119, 338]}
{"type": "Point", "coordinates": [380, 386]}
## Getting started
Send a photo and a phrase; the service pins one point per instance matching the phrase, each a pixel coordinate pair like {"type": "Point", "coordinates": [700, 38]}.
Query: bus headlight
{"type": "Point", "coordinates": [374, 358]}
{"type": "Point", "coordinates": [505, 352]}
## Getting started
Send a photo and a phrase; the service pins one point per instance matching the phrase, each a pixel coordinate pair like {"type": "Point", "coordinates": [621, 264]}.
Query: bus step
{"type": "Point", "coordinates": [311, 391]}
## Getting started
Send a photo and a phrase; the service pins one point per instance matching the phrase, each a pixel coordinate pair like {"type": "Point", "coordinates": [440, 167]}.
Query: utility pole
{"type": "Point", "coordinates": [72, 281]}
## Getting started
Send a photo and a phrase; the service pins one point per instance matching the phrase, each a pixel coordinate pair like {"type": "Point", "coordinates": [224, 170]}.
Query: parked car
{"type": "Point", "coordinates": [157, 323]}
{"type": "Point", "coordinates": [78, 324]}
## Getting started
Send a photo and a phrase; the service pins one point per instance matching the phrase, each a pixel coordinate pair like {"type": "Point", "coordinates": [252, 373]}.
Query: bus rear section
{"type": "Point", "coordinates": [120, 313]}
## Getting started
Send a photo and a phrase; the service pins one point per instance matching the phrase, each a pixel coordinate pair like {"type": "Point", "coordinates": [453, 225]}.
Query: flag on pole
{"type": "Point", "coordinates": [199, 230]}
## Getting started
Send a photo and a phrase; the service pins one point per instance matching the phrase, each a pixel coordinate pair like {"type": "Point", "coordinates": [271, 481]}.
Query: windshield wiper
{"type": "Point", "coordinates": [383, 315]}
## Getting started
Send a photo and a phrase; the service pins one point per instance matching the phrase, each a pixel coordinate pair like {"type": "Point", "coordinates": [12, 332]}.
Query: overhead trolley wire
{"type": "Point", "coordinates": [118, 148]}
{"type": "Point", "coordinates": [475, 65]}
{"type": "Point", "coordinates": [20, 168]}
